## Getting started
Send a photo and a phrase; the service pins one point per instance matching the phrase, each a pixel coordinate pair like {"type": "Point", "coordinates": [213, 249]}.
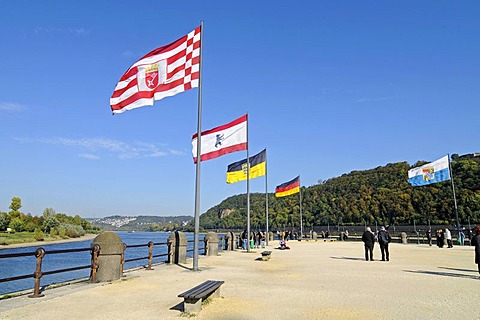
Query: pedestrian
{"type": "Point", "coordinates": [475, 241]}
{"type": "Point", "coordinates": [429, 236]}
{"type": "Point", "coordinates": [440, 237]}
{"type": "Point", "coordinates": [258, 238]}
{"type": "Point", "coordinates": [384, 239]}
{"type": "Point", "coordinates": [368, 239]}
{"type": "Point", "coordinates": [448, 237]}
{"type": "Point", "coordinates": [244, 238]}
{"type": "Point", "coordinates": [462, 238]}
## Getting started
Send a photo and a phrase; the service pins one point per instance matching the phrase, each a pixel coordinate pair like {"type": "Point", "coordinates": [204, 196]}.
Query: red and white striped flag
{"type": "Point", "coordinates": [164, 72]}
{"type": "Point", "coordinates": [221, 140]}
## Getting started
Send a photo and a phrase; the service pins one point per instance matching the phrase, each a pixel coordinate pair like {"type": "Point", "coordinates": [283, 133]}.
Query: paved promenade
{"type": "Point", "coordinates": [313, 280]}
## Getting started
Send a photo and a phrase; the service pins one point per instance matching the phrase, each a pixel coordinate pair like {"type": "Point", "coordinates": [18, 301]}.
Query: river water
{"type": "Point", "coordinates": [12, 267]}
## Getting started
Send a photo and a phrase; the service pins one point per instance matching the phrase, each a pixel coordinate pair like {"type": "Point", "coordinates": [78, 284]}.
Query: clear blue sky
{"type": "Point", "coordinates": [329, 86]}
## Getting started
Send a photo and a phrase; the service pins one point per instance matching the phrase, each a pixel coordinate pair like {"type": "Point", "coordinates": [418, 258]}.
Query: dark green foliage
{"type": "Point", "coordinates": [39, 235]}
{"type": "Point", "coordinates": [380, 195]}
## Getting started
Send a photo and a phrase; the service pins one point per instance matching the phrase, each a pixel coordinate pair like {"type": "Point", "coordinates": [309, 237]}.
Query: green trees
{"type": "Point", "coordinates": [381, 195]}
{"type": "Point", "coordinates": [50, 222]}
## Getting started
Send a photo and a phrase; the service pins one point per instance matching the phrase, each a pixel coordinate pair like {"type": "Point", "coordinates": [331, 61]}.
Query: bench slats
{"type": "Point", "coordinates": [202, 290]}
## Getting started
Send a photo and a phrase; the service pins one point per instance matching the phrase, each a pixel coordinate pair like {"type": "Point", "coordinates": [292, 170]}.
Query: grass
{"type": "Point", "coordinates": [20, 237]}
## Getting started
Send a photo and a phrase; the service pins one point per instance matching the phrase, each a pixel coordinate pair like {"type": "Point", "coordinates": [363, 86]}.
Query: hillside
{"type": "Point", "coordinates": [381, 195]}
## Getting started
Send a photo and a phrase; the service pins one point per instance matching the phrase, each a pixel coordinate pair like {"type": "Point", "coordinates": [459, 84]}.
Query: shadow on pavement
{"type": "Point", "coordinates": [348, 258]}
{"type": "Point", "coordinates": [443, 274]}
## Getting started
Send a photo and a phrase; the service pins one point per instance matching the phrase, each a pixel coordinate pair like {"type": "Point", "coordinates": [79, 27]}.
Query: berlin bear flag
{"type": "Point", "coordinates": [163, 72]}
{"type": "Point", "coordinates": [221, 140]}
{"type": "Point", "coordinates": [436, 171]}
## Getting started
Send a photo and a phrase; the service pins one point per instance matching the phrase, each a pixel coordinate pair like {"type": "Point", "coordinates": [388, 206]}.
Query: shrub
{"type": "Point", "coordinates": [53, 232]}
{"type": "Point", "coordinates": [72, 233]}
{"type": "Point", "coordinates": [62, 232]}
{"type": "Point", "coordinates": [39, 235]}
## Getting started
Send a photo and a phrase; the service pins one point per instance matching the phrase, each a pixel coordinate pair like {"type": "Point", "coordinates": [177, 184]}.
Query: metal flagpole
{"type": "Point", "coordinates": [199, 152]}
{"type": "Point", "coordinates": [266, 199]}
{"type": "Point", "coordinates": [454, 197]}
{"type": "Point", "coordinates": [301, 222]}
{"type": "Point", "coordinates": [248, 193]}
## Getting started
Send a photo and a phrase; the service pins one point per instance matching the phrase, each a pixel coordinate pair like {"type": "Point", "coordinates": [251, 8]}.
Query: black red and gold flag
{"type": "Point", "coordinates": [288, 188]}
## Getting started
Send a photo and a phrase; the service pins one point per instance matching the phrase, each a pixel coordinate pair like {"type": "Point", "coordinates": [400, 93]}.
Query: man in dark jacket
{"type": "Point", "coordinates": [384, 239]}
{"type": "Point", "coordinates": [475, 241]}
{"type": "Point", "coordinates": [369, 240]}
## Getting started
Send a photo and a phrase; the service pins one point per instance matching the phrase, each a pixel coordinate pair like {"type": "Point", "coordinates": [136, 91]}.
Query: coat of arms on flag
{"type": "Point", "coordinates": [428, 173]}
{"type": "Point", "coordinates": [151, 76]}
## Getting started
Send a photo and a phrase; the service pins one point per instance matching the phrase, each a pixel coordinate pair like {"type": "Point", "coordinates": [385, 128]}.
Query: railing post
{"type": "Point", "coordinates": [39, 253]}
{"type": "Point", "coordinates": [122, 258]}
{"type": "Point", "coordinates": [93, 273]}
{"type": "Point", "coordinates": [150, 254]}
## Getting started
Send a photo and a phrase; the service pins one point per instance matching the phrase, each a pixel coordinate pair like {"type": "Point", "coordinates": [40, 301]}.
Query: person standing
{"type": "Point", "coordinates": [475, 241]}
{"type": "Point", "coordinates": [440, 237]}
{"type": "Point", "coordinates": [368, 239]}
{"type": "Point", "coordinates": [448, 237]}
{"type": "Point", "coordinates": [429, 236]}
{"type": "Point", "coordinates": [384, 239]}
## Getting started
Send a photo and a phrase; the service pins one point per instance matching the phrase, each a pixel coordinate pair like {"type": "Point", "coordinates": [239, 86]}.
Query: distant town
{"type": "Point", "coordinates": [140, 223]}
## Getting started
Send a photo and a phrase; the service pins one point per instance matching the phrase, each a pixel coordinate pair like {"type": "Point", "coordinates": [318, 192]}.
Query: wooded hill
{"type": "Point", "coordinates": [380, 195]}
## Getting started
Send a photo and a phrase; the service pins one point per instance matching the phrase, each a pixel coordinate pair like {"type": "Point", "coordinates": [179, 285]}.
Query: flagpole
{"type": "Point", "coordinates": [301, 222]}
{"type": "Point", "coordinates": [266, 199]}
{"type": "Point", "coordinates": [196, 239]}
{"type": "Point", "coordinates": [454, 196]}
{"type": "Point", "coordinates": [248, 192]}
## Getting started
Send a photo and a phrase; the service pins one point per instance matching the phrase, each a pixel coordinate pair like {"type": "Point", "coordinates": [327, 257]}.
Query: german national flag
{"type": "Point", "coordinates": [288, 188]}
{"type": "Point", "coordinates": [237, 171]}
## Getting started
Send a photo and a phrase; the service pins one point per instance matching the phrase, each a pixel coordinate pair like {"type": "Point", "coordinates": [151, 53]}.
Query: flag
{"type": "Point", "coordinates": [429, 173]}
{"type": "Point", "coordinates": [237, 171]}
{"type": "Point", "coordinates": [221, 140]}
{"type": "Point", "coordinates": [163, 72]}
{"type": "Point", "coordinates": [288, 188]}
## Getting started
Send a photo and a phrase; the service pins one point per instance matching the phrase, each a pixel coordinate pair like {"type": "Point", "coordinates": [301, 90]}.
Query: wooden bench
{"type": "Point", "coordinates": [193, 298]}
{"type": "Point", "coordinates": [266, 255]}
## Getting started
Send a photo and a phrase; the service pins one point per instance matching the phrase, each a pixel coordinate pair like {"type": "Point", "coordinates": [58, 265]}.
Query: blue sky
{"type": "Point", "coordinates": [329, 86]}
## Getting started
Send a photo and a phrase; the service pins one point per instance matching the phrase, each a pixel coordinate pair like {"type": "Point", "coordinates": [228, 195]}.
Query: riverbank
{"type": "Point", "coordinates": [88, 236]}
{"type": "Point", "coordinates": [312, 280]}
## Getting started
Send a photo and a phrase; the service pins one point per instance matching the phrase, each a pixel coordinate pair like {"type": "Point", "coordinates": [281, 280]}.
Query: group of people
{"type": "Point", "coordinates": [256, 239]}
{"type": "Point", "coordinates": [382, 237]}
{"type": "Point", "coordinates": [442, 235]}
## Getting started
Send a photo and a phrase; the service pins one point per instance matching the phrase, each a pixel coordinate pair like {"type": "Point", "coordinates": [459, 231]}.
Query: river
{"type": "Point", "coordinates": [11, 267]}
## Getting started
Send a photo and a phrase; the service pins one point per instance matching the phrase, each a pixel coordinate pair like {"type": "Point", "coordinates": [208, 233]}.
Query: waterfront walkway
{"type": "Point", "coordinates": [313, 280]}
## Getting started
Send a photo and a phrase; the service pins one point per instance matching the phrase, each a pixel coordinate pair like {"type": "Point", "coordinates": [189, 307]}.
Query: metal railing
{"type": "Point", "coordinates": [39, 254]}
{"type": "Point", "coordinates": [94, 250]}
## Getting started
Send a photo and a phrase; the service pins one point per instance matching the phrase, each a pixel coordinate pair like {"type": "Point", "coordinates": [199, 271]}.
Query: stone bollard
{"type": "Point", "coordinates": [177, 248]}
{"type": "Point", "coordinates": [403, 237]}
{"type": "Point", "coordinates": [211, 244]}
{"type": "Point", "coordinates": [314, 236]}
{"type": "Point", "coordinates": [109, 257]}
{"type": "Point", "coordinates": [270, 236]}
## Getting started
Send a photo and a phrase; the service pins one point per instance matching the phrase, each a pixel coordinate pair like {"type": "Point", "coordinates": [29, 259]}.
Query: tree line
{"type": "Point", "coordinates": [50, 223]}
{"type": "Point", "coordinates": [381, 195]}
